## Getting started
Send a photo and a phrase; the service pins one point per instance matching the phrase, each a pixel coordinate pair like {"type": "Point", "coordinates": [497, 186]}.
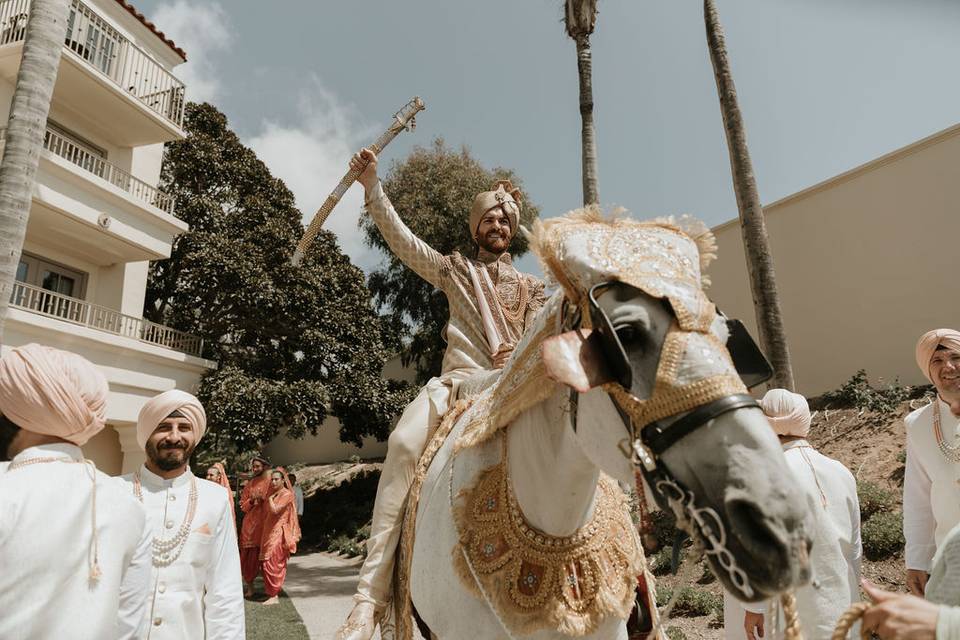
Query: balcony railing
{"type": "Point", "coordinates": [109, 52]}
{"type": "Point", "coordinates": [69, 150]}
{"type": "Point", "coordinates": [55, 305]}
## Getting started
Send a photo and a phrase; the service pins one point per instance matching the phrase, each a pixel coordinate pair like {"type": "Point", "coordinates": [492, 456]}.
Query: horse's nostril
{"type": "Point", "coordinates": [753, 529]}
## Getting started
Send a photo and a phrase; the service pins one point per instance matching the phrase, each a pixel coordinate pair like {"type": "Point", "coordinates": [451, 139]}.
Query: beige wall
{"type": "Point", "coordinates": [104, 450]}
{"type": "Point", "coordinates": [865, 263]}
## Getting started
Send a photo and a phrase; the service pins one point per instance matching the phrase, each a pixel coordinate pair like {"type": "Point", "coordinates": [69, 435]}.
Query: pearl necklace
{"type": "Point", "coordinates": [29, 461]}
{"type": "Point", "coordinates": [950, 452]}
{"type": "Point", "coordinates": [165, 551]}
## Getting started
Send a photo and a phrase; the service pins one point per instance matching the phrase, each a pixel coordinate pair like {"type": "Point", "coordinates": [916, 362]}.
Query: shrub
{"type": "Point", "coordinates": [857, 393]}
{"type": "Point", "coordinates": [664, 527]}
{"type": "Point", "coordinates": [674, 633]}
{"type": "Point", "coordinates": [691, 602]}
{"type": "Point", "coordinates": [882, 535]}
{"type": "Point", "coordinates": [661, 563]}
{"type": "Point", "coordinates": [873, 499]}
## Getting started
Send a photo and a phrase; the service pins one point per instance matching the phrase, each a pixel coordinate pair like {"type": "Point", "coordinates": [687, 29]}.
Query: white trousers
{"type": "Point", "coordinates": [404, 448]}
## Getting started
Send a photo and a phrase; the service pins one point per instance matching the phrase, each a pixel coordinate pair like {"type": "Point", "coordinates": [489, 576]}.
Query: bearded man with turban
{"type": "Point", "coordinates": [74, 547]}
{"type": "Point", "coordinates": [491, 303]}
{"type": "Point", "coordinates": [195, 587]}
{"type": "Point", "coordinates": [834, 528]}
{"type": "Point", "coordinates": [931, 489]}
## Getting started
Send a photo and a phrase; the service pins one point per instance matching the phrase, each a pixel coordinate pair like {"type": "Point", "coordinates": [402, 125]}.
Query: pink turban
{"type": "Point", "coordinates": [788, 413]}
{"type": "Point", "coordinates": [161, 406]}
{"type": "Point", "coordinates": [929, 342]}
{"type": "Point", "coordinates": [52, 392]}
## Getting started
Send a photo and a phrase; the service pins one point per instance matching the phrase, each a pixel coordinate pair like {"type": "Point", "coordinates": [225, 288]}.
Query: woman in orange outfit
{"type": "Point", "coordinates": [281, 532]}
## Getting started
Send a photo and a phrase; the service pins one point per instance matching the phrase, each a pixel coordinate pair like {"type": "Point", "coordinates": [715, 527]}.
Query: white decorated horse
{"type": "Point", "coordinates": [521, 528]}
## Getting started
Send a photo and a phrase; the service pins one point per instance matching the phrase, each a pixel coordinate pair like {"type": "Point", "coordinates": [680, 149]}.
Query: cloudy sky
{"type": "Point", "coordinates": [825, 85]}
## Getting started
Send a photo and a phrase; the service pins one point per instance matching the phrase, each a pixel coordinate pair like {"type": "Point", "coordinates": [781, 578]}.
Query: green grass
{"type": "Point", "coordinates": [277, 622]}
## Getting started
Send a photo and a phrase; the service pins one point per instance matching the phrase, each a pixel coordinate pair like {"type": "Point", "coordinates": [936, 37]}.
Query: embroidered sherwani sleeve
{"type": "Point", "coordinates": [223, 614]}
{"type": "Point", "coordinates": [423, 259]}
{"type": "Point", "coordinates": [135, 590]}
{"type": "Point", "coordinates": [919, 525]}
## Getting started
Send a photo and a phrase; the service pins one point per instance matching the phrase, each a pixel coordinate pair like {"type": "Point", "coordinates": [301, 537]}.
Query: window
{"type": "Point", "coordinates": [91, 38]}
{"type": "Point", "coordinates": [55, 278]}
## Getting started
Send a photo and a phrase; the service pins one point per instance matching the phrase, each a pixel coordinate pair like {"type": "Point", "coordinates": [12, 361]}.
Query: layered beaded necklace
{"type": "Point", "coordinates": [950, 452]}
{"type": "Point", "coordinates": [165, 551]}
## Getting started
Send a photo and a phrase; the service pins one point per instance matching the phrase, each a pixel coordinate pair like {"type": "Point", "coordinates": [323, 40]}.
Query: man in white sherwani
{"type": "Point", "coordinates": [834, 528]}
{"type": "Point", "coordinates": [931, 486]}
{"type": "Point", "coordinates": [74, 548]}
{"type": "Point", "coordinates": [195, 588]}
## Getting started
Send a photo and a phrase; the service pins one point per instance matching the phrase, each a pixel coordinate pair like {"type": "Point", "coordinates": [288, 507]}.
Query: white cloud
{"type": "Point", "coordinates": [311, 157]}
{"type": "Point", "coordinates": [200, 29]}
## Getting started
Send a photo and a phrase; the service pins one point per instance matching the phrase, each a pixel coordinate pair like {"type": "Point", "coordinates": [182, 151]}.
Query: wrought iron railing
{"type": "Point", "coordinates": [79, 155]}
{"type": "Point", "coordinates": [109, 52]}
{"type": "Point", "coordinates": [55, 305]}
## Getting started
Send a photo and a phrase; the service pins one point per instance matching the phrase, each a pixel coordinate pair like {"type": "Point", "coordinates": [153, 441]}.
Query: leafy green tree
{"type": "Point", "coordinates": [294, 344]}
{"type": "Point", "coordinates": [432, 191]}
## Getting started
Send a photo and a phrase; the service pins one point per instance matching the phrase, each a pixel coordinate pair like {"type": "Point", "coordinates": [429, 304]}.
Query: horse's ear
{"type": "Point", "coordinates": [576, 359]}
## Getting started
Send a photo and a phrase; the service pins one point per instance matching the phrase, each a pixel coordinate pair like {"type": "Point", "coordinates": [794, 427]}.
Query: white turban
{"type": "Point", "coordinates": [788, 413]}
{"type": "Point", "coordinates": [928, 343]}
{"type": "Point", "coordinates": [158, 408]}
{"type": "Point", "coordinates": [52, 392]}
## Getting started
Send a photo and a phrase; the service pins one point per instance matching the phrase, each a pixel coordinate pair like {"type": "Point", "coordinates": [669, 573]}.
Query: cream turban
{"type": "Point", "coordinates": [158, 408]}
{"type": "Point", "coordinates": [503, 193]}
{"type": "Point", "coordinates": [52, 392]}
{"type": "Point", "coordinates": [788, 413]}
{"type": "Point", "coordinates": [929, 342]}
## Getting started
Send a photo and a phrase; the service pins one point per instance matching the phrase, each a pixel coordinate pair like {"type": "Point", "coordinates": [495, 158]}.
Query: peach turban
{"type": "Point", "coordinates": [788, 413]}
{"type": "Point", "coordinates": [929, 342]}
{"type": "Point", "coordinates": [52, 392]}
{"type": "Point", "coordinates": [503, 193]}
{"type": "Point", "coordinates": [161, 406]}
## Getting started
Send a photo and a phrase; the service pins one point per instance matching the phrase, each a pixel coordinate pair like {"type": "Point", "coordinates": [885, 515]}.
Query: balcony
{"type": "Point", "coordinates": [143, 102]}
{"type": "Point", "coordinates": [78, 312]}
{"type": "Point", "coordinates": [60, 146]}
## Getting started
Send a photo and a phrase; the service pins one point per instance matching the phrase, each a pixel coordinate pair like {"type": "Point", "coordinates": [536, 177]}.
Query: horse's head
{"type": "Point", "coordinates": [641, 332]}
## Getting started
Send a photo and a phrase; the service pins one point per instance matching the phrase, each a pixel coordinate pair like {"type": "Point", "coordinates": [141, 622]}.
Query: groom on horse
{"type": "Point", "coordinates": [491, 304]}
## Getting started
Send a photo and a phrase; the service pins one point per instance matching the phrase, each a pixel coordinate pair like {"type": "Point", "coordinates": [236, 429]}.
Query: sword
{"type": "Point", "coordinates": [403, 120]}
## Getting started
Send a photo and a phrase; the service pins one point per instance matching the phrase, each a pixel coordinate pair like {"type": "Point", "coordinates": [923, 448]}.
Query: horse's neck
{"type": "Point", "coordinates": [553, 480]}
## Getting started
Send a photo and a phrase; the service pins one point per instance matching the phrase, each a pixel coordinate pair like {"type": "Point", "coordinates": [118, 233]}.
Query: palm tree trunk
{"type": "Point", "coordinates": [591, 193]}
{"type": "Point", "coordinates": [763, 282]}
{"type": "Point", "coordinates": [42, 45]}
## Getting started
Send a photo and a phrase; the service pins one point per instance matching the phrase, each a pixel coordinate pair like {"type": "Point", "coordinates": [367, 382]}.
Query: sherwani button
{"type": "Point", "coordinates": [161, 587]}
{"type": "Point", "coordinates": [172, 497]}
{"type": "Point", "coordinates": [169, 524]}
{"type": "Point", "coordinates": [157, 622]}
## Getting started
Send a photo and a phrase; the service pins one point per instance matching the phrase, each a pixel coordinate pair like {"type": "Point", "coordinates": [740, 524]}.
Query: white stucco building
{"type": "Point", "coordinates": [97, 216]}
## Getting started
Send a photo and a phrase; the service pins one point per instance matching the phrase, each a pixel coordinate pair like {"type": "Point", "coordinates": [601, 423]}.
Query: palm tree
{"type": "Point", "coordinates": [42, 45]}
{"type": "Point", "coordinates": [580, 17]}
{"type": "Point", "coordinates": [763, 283]}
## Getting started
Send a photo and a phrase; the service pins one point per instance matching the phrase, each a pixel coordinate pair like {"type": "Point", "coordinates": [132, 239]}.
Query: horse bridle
{"type": "Point", "coordinates": [646, 444]}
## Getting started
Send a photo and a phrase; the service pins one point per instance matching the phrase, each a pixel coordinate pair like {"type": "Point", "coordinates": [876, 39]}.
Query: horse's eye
{"type": "Point", "coordinates": [628, 334]}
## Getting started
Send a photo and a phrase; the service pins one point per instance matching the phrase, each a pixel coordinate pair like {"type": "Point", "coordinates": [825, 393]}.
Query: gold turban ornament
{"type": "Point", "coordinates": [503, 194]}
{"type": "Point", "coordinates": [928, 344]}
{"type": "Point", "coordinates": [160, 407]}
